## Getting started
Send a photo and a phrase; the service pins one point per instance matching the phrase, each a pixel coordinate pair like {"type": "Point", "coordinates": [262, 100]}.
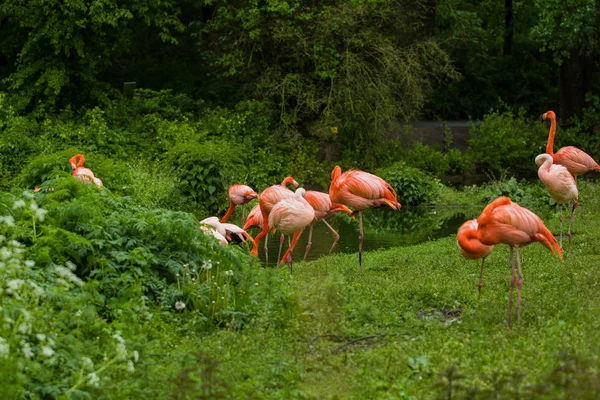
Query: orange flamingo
{"type": "Point", "coordinates": [321, 203]}
{"type": "Point", "coordinates": [471, 248]}
{"type": "Point", "coordinates": [229, 232]}
{"type": "Point", "coordinates": [292, 216]}
{"type": "Point", "coordinates": [360, 190]}
{"type": "Point", "coordinates": [81, 173]}
{"type": "Point", "coordinates": [267, 199]}
{"type": "Point", "coordinates": [239, 195]}
{"type": "Point", "coordinates": [576, 160]}
{"type": "Point", "coordinates": [560, 185]}
{"type": "Point", "coordinates": [503, 221]}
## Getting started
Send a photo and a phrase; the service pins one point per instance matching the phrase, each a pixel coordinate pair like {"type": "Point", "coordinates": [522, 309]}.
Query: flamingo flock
{"type": "Point", "coordinates": [501, 221]}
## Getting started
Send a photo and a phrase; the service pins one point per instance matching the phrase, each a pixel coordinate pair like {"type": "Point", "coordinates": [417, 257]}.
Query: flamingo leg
{"type": "Point", "coordinates": [309, 242]}
{"type": "Point", "coordinates": [243, 213]}
{"type": "Point", "coordinates": [519, 286]}
{"type": "Point", "coordinates": [337, 236]}
{"type": "Point", "coordinates": [480, 285]}
{"type": "Point", "coordinates": [288, 254]}
{"type": "Point", "coordinates": [281, 239]}
{"type": "Point", "coordinates": [512, 283]}
{"type": "Point", "coordinates": [561, 222]}
{"type": "Point", "coordinates": [266, 250]}
{"type": "Point", "coordinates": [360, 241]}
{"type": "Point", "coordinates": [575, 204]}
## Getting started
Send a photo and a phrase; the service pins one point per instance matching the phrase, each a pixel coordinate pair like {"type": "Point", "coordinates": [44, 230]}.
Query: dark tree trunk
{"type": "Point", "coordinates": [508, 27]}
{"type": "Point", "coordinates": [575, 81]}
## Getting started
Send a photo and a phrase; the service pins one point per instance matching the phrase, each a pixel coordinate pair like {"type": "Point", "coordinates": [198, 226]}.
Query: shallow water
{"type": "Point", "coordinates": [383, 228]}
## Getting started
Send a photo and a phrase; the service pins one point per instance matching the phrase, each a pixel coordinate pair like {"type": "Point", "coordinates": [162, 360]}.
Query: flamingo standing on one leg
{"type": "Point", "coordinates": [471, 248]}
{"type": "Point", "coordinates": [321, 203]}
{"type": "Point", "coordinates": [503, 221]}
{"type": "Point", "coordinates": [561, 186]}
{"type": "Point", "coordinates": [267, 199]}
{"type": "Point", "coordinates": [81, 173]}
{"type": "Point", "coordinates": [360, 190]}
{"type": "Point", "coordinates": [239, 195]}
{"type": "Point", "coordinates": [576, 160]}
{"type": "Point", "coordinates": [292, 216]}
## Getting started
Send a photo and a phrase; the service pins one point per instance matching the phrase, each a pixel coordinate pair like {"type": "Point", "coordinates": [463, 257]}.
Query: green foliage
{"type": "Point", "coordinates": [427, 158]}
{"type": "Point", "coordinates": [506, 141]}
{"type": "Point", "coordinates": [413, 186]}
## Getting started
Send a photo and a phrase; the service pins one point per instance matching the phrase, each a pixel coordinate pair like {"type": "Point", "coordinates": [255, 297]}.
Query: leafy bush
{"type": "Point", "coordinates": [412, 185]}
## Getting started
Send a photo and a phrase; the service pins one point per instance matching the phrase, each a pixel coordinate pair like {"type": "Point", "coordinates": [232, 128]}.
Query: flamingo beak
{"type": "Point", "coordinates": [544, 116]}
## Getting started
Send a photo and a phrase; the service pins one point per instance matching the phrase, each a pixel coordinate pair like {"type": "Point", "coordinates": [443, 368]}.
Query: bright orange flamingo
{"type": "Point", "coordinates": [560, 185]}
{"type": "Point", "coordinates": [471, 248]}
{"type": "Point", "coordinates": [292, 216]}
{"type": "Point", "coordinates": [503, 221]}
{"type": "Point", "coordinates": [576, 160]}
{"type": "Point", "coordinates": [267, 199]}
{"type": "Point", "coordinates": [360, 190]}
{"type": "Point", "coordinates": [321, 203]}
{"type": "Point", "coordinates": [239, 195]}
{"type": "Point", "coordinates": [81, 173]}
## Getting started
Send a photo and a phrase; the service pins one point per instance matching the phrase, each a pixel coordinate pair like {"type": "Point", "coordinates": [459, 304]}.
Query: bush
{"type": "Point", "coordinates": [413, 186]}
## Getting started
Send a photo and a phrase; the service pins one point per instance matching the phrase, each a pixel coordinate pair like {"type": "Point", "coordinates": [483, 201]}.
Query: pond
{"type": "Point", "coordinates": [383, 228]}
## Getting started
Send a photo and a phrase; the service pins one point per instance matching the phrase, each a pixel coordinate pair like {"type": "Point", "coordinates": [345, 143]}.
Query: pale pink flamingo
{"type": "Point", "coordinates": [239, 195]}
{"type": "Point", "coordinates": [81, 173]}
{"type": "Point", "coordinates": [503, 221]}
{"type": "Point", "coordinates": [560, 185]}
{"type": "Point", "coordinates": [471, 248]}
{"type": "Point", "coordinates": [360, 190]}
{"type": "Point", "coordinates": [292, 216]}
{"type": "Point", "coordinates": [576, 160]}
{"type": "Point", "coordinates": [321, 203]}
{"type": "Point", "coordinates": [267, 199]}
{"type": "Point", "coordinates": [230, 232]}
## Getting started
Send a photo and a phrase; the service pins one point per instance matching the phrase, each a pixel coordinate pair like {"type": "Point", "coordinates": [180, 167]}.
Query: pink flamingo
{"type": "Point", "coordinates": [229, 232]}
{"type": "Point", "coordinates": [239, 195]}
{"type": "Point", "coordinates": [503, 221]}
{"type": "Point", "coordinates": [267, 199]}
{"type": "Point", "coordinates": [321, 203]}
{"type": "Point", "coordinates": [471, 248]}
{"type": "Point", "coordinates": [81, 173]}
{"type": "Point", "coordinates": [576, 160]}
{"type": "Point", "coordinates": [360, 190]}
{"type": "Point", "coordinates": [292, 216]}
{"type": "Point", "coordinates": [561, 186]}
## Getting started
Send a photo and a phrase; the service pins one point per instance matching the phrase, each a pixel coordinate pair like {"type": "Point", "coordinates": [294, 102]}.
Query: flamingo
{"type": "Point", "coordinates": [229, 232]}
{"type": "Point", "coordinates": [576, 160]}
{"type": "Point", "coordinates": [292, 216]}
{"type": "Point", "coordinates": [321, 203]}
{"type": "Point", "coordinates": [503, 221]}
{"type": "Point", "coordinates": [81, 173]}
{"type": "Point", "coordinates": [267, 199]}
{"type": "Point", "coordinates": [560, 185]}
{"type": "Point", "coordinates": [239, 195]}
{"type": "Point", "coordinates": [471, 248]}
{"type": "Point", "coordinates": [360, 190]}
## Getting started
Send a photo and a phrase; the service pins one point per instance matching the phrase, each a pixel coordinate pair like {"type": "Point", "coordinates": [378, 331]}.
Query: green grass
{"type": "Point", "coordinates": [306, 350]}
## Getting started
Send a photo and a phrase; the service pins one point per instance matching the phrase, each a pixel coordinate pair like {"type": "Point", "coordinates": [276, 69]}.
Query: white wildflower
{"type": "Point", "coordinates": [26, 348]}
{"type": "Point", "coordinates": [29, 263]}
{"type": "Point", "coordinates": [18, 204]}
{"type": "Point", "coordinates": [119, 338]}
{"type": "Point", "coordinates": [130, 366]}
{"type": "Point", "coordinates": [180, 305]}
{"type": "Point", "coordinates": [41, 337]}
{"type": "Point", "coordinates": [5, 253]}
{"type": "Point", "coordinates": [47, 351]}
{"type": "Point", "coordinates": [93, 379]}
{"type": "Point", "coordinates": [256, 284]}
{"type": "Point", "coordinates": [67, 274]}
{"type": "Point", "coordinates": [26, 315]}
{"type": "Point", "coordinates": [51, 342]}
{"type": "Point", "coordinates": [229, 273]}
{"type": "Point", "coordinates": [2, 238]}
{"type": "Point", "coordinates": [33, 206]}
{"type": "Point", "coordinates": [36, 290]}
{"type": "Point", "coordinates": [121, 351]}
{"type": "Point", "coordinates": [8, 220]}
{"type": "Point", "coordinates": [70, 265]}
{"type": "Point", "coordinates": [78, 313]}
{"type": "Point", "coordinates": [24, 328]}
{"type": "Point", "coordinates": [206, 265]}
{"type": "Point", "coordinates": [14, 285]}
{"type": "Point", "coordinates": [40, 214]}
{"type": "Point", "coordinates": [87, 362]}
{"type": "Point", "coordinates": [4, 348]}
{"type": "Point", "coordinates": [136, 356]}
{"type": "Point", "coordinates": [14, 243]}
{"type": "Point", "coordinates": [28, 194]}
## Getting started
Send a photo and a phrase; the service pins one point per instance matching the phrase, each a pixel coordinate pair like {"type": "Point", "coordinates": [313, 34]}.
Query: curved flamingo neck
{"type": "Point", "coordinates": [228, 213]}
{"type": "Point", "coordinates": [288, 181]}
{"type": "Point", "coordinates": [337, 171]}
{"type": "Point", "coordinates": [550, 145]}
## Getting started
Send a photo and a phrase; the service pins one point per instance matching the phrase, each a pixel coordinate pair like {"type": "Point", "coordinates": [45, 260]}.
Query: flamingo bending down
{"type": "Point", "coordinates": [81, 173]}
{"type": "Point", "coordinates": [229, 232]}
{"type": "Point", "coordinates": [239, 195]}
{"type": "Point", "coordinates": [360, 190]}
{"type": "Point", "coordinates": [471, 248]}
{"type": "Point", "coordinates": [321, 203]}
{"type": "Point", "coordinates": [560, 185]}
{"type": "Point", "coordinates": [575, 160]}
{"type": "Point", "coordinates": [267, 199]}
{"type": "Point", "coordinates": [292, 216]}
{"type": "Point", "coordinates": [503, 221]}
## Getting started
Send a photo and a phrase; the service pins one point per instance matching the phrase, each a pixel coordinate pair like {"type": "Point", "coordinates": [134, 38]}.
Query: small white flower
{"type": "Point", "coordinates": [229, 273]}
{"type": "Point", "coordinates": [40, 214]}
{"type": "Point", "coordinates": [5, 253]}
{"type": "Point", "coordinates": [51, 342]}
{"type": "Point", "coordinates": [207, 265]}
{"type": "Point", "coordinates": [14, 285]}
{"type": "Point", "coordinates": [121, 351]}
{"type": "Point", "coordinates": [18, 204]}
{"type": "Point", "coordinates": [36, 290]}
{"type": "Point", "coordinates": [71, 266]}
{"type": "Point", "coordinates": [256, 284]}
{"type": "Point", "coordinates": [26, 348]}
{"type": "Point", "coordinates": [8, 220]}
{"type": "Point", "coordinates": [14, 243]}
{"type": "Point", "coordinates": [180, 305]}
{"type": "Point", "coordinates": [119, 338]}
{"type": "Point", "coordinates": [41, 337]}
{"type": "Point", "coordinates": [93, 379]}
{"type": "Point", "coordinates": [67, 274]}
{"type": "Point", "coordinates": [130, 366]}
{"type": "Point", "coordinates": [78, 313]}
{"type": "Point", "coordinates": [4, 348]}
{"type": "Point", "coordinates": [136, 356]}
{"type": "Point", "coordinates": [87, 362]}
{"type": "Point", "coordinates": [28, 194]}
{"type": "Point", "coordinates": [47, 351]}
{"type": "Point", "coordinates": [24, 328]}
{"type": "Point", "coordinates": [29, 263]}
{"type": "Point", "coordinates": [33, 206]}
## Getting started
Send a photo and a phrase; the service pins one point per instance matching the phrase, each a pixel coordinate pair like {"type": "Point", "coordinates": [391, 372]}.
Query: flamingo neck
{"type": "Point", "coordinates": [228, 213]}
{"type": "Point", "coordinates": [550, 145]}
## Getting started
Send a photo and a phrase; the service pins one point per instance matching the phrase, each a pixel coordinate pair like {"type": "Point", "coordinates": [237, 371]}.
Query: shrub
{"type": "Point", "coordinates": [412, 185]}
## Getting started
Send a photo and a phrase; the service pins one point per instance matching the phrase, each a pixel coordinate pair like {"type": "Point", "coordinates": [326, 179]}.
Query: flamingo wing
{"type": "Point", "coordinates": [577, 161]}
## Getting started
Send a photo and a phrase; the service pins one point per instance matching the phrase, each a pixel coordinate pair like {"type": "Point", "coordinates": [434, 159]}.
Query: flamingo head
{"type": "Point", "coordinates": [468, 242]}
{"type": "Point", "coordinates": [300, 192]}
{"type": "Point", "coordinates": [549, 115]}
{"type": "Point", "coordinates": [289, 181]}
{"type": "Point", "coordinates": [336, 172]}
{"type": "Point", "coordinates": [542, 158]}
{"type": "Point", "coordinates": [250, 195]}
